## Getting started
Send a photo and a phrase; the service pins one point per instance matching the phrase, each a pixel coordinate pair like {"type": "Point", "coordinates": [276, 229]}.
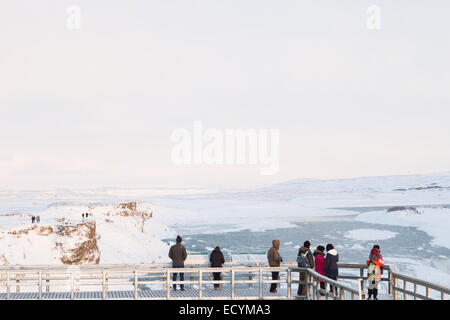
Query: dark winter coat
{"type": "Point", "coordinates": [273, 256]}
{"type": "Point", "coordinates": [331, 267]}
{"type": "Point", "coordinates": [216, 258]}
{"type": "Point", "coordinates": [309, 256]}
{"type": "Point", "coordinates": [178, 254]}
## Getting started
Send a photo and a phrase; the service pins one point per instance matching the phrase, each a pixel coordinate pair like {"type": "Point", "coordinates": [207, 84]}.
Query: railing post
{"type": "Point", "coordinates": [103, 284]}
{"type": "Point", "coordinates": [341, 294]}
{"type": "Point", "coordinates": [317, 294]}
{"type": "Point", "coordinates": [389, 279]}
{"type": "Point", "coordinates": [47, 282]}
{"type": "Point", "coordinates": [71, 284]}
{"type": "Point", "coordinates": [289, 284]}
{"type": "Point", "coordinates": [307, 279]}
{"type": "Point", "coordinates": [404, 289]}
{"type": "Point", "coordinates": [394, 288]}
{"type": "Point", "coordinates": [8, 285]}
{"type": "Point", "coordinates": [428, 292]}
{"type": "Point", "coordinates": [168, 284]}
{"type": "Point", "coordinates": [40, 285]}
{"type": "Point", "coordinates": [232, 285]}
{"type": "Point", "coordinates": [17, 283]}
{"type": "Point", "coordinates": [106, 280]}
{"type": "Point", "coordinates": [415, 291]}
{"type": "Point", "coordinates": [360, 288]}
{"type": "Point", "coordinates": [250, 277]}
{"type": "Point", "coordinates": [260, 284]}
{"type": "Point", "coordinates": [200, 284]}
{"type": "Point", "coordinates": [135, 285]}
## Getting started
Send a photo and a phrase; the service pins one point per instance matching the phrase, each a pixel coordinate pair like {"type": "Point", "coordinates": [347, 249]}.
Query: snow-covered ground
{"type": "Point", "coordinates": [354, 212]}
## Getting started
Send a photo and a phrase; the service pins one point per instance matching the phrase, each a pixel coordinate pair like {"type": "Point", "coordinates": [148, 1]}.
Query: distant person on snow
{"type": "Point", "coordinates": [82, 217]}
{"type": "Point", "coordinates": [87, 216]}
{"type": "Point", "coordinates": [304, 260]}
{"type": "Point", "coordinates": [274, 260]}
{"type": "Point", "coordinates": [375, 264]}
{"type": "Point", "coordinates": [320, 264]}
{"type": "Point", "coordinates": [217, 260]}
{"type": "Point", "coordinates": [331, 267]}
{"type": "Point", "coordinates": [178, 255]}
{"type": "Point", "coordinates": [38, 219]}
{"type": "Point", "coordinates": [32, 219]}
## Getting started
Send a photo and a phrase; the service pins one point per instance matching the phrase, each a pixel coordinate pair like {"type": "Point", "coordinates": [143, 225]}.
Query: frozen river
{"type": "Point", "coordinates": [352, 239]}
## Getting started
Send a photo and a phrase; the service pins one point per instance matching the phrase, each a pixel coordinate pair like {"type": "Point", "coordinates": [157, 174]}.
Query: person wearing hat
{"type": "Point", "coordinates": [305, 260]}
{"type": "Point", "coordinates": [217, 260]}
{"type": "Point", "coordinates": [274, 260]}
{"type": "Point", "coordinates": [375, 264]}
{"type": "Point", "coordinates": [331, 266]}
{"type": "Point", "coordinates": [178, 255]}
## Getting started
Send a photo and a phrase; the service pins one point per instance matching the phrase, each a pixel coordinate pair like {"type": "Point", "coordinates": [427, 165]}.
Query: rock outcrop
{"type": "Point", "coordinates": [77, 244]}
{"type": "Point", "coordinates": [408, 210]}
{"type": "Point", "coordinates": [130, 210]}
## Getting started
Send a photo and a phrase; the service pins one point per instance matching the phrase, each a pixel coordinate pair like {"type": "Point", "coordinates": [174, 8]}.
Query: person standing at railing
{"type": "Point", "coordinates": [274, 260]}
{"type": "Point", "coordinates": [331, 267]}
{"type": "Point", "coordinates": [178, 255]}
{"type": "Point", "coordinates": [217, 260]}
{"type": "Point", "coordinates": [374, 266]}
{"type": "Point", "coordinates": [304, 260]}
{"type": "Point", "coordinates": [320, 264]}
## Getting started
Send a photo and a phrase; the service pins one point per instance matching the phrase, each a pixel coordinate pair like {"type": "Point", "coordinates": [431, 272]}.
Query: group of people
{"type": "Point", "coordinates": [84, 217]}
{"type": "Point", "coordinates": [324, 264]}
{"type": "Point", "coordinates": [178, 255]}
{"type": "Point", "coordinates": [35, 219]}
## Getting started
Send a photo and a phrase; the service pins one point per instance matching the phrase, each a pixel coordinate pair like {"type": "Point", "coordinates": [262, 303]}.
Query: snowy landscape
{"type": "Point", "coordinates": [408, 216]}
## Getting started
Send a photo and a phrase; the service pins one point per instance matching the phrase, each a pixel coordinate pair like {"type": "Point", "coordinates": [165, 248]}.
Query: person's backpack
{"type": "Point", "coordinates": [302, 260]}
{"type": "Point", "coordinates": [372, 270]}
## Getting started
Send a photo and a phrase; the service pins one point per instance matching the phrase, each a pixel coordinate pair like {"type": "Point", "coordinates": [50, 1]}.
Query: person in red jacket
{"type": "Point", "coordinates": [319, 259]}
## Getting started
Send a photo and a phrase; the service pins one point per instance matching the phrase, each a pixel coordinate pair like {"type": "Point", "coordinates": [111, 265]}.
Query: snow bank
{"type": "Point", "coordinates": [433, 221]}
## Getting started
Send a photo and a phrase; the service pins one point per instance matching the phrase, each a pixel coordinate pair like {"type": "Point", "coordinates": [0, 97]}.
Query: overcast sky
{"type": "Point", "coordinates": [97, 106]}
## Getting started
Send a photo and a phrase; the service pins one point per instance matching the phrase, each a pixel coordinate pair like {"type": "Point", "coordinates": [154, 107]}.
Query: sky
{"type": "Point", "coordinates": [96, 106]}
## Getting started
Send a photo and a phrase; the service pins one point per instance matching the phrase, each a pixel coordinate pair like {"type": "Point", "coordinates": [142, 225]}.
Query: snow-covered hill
{"type": "Point", "coordinates": [112, 234]}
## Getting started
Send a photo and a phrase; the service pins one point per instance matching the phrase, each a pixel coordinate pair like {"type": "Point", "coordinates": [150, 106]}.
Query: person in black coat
{"type": "Point", "coordinates": [331, 267]}
{"type": "Point", "coordinates": [217, 260]}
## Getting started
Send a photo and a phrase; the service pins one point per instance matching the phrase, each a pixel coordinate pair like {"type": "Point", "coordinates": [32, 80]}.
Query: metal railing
{"type": "Point", "coordinates": [106, 278]}
{"type": "Point", "coordinates": [136, 279]}
{"type": "Point", "coordinates": [417, 285]}
{"type": "Point", "coordinates": [314, 291]}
